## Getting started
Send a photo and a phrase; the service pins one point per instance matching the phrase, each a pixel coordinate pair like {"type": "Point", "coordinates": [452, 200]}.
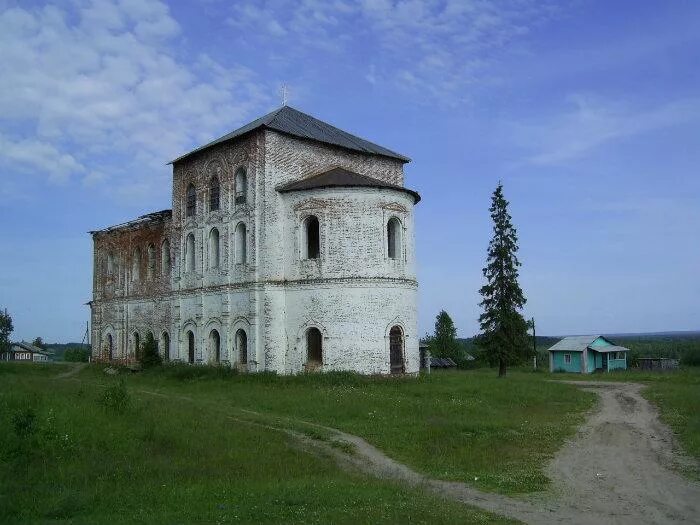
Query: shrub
{"type": "Point", "coordinates": [76, 355]}
{"type": "Point", "coordinates": [148, 352]}
{"type": "Point", "coordinates": [691, 357]}
{"type": "Point", "coordinates": [116, 398]}
{"type": "Point", "coordinates": [186, 372]}
{"type": "Point", "coordinates": [24, 422]}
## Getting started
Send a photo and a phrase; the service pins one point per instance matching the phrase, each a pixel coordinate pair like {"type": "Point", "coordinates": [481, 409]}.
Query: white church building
{"type": "Point", "coordinates": [289, 248]}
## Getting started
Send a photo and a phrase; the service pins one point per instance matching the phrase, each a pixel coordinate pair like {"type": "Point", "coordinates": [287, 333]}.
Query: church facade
{"type": "Point", "coordinates": [289, 248]}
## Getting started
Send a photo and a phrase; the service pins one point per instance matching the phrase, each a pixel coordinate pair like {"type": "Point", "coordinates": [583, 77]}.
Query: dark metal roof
{"type": "Point", "coordinates": [342, 178]}
{"type": "Point", "coordinates": [156, 216]}
{"type": "Point", "coordinates": [293, 122]}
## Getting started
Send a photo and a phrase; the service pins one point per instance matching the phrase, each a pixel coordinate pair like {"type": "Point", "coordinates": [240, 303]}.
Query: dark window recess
{"type": "Point", "coordinates": [313, 238]}
{"type": "Point", "coordinates": [391, 238]}
{"type": "Point", "coordinates": [314, 346]}
{"type": "Point", "coordinates": [190, 347]}
{"type": "Point", "coordinates": [191, 203]}
{"type": "Point", "coordinates": [214, 194]}
{"type": "Point", "coordinates": [396, 350]}
{"type": "Point", "coordinates": [242, 345]}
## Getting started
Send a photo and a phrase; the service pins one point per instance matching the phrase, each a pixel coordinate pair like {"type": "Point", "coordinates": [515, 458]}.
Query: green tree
{"type": "Point", "coordinates": [76, 354]}
{"type": "Point", "coordinates": [39, 343]}
{"type": "Point", "coordinates": [5, 330]}
{"type": "Point", "coordinates": [443, 343]}
{"type": "Point", "coordinates": [503, 335]}
{"type": "Point", "coordinates": [148, 352]}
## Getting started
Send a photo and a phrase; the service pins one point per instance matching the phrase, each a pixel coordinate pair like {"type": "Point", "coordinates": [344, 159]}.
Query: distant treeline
{"type": "Point", "coordinates": [69, 351]}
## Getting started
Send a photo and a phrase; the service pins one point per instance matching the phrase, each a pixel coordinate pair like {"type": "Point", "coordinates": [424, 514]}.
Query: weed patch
{"type": "Point", "coordinates": [116, 398]}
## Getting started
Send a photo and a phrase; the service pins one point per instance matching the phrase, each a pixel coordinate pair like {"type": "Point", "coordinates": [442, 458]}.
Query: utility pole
{"type": "Point", "coordinates": [534, 343]}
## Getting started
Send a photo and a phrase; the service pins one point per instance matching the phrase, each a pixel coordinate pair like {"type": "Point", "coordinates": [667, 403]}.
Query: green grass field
{"type": "Point", "coordinates": [67, 457]}
{"type": "Point", "coordinates": [174, 453]}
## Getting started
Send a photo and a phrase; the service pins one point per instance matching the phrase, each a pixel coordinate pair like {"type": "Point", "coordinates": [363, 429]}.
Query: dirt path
{"type": "Point", "coordinates": [72, 371]}
{"type": "Point", "coordinates": [617, 469]}
{"type": "Point", "coordinates": [620, 464]}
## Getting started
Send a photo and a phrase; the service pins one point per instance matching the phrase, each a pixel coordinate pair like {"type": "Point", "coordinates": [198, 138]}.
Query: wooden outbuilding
{"type": "Point", "coordinates": [585, 354]}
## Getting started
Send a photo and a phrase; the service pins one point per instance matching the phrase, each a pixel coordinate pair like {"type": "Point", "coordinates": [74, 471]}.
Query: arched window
{"type": "Point", "coordinates": [110, 347]}
{"type": "Point", "coordinates": [136, 265]}
{"type": "Point", "coordinates": [214, 193]}
{"type": "Point", "coordinates": [241, 187]}
{"type": "Point", "coordinates": [241, 244]}
{"type": "Point", "coordinates": [189, 253]}
{"type": "Point", "coordinates": [314, 347]}
{"type": "Point", "coordinates": [165, 346]}
{"type": "Point", "coordinates": [151, 268]}
{"type": "Point", "coordinates": [393, 237]}
{"type": "Point", "coordinates": [312, 238]}
{"type": "Point", "coordinates": [242, 346]}
{"type": "Point", "coordinates": [190, 346]}
{"type": "Point", "coordinates": [111, 270]}
{"type": "Point", "coordinates": [137, 344]}
{"type": "Point", "coordinates": [214, 248]}
{"type": "Point", "coordinates": [396, 359]}
{"type": "Point", "coordinates": [165, 258]}
{"type": "Point", "coordinates": [215, 346]}
{"type": "Point", "coordinates": [191, 202]}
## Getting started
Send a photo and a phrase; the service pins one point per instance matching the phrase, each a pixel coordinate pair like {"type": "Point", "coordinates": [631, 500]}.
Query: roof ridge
{"type": "Point", "coordinates": [302, 125]}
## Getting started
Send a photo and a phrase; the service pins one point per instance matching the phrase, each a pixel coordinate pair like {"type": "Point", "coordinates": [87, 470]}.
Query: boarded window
{"type": "Point", "coordinates": [241, 187]}
{"type": "Point", "coordinates": [165, 258]}
{"type": "Point", "coordinates": [396, 350]}
{"type": "Point", "coordinates": [393, 236]}
{"type": "Point", "coordinates": [189, 253]}
{"type": "Point", "coordinates": [313, 238]}
{"type": "Point", "coordinates": [314, 346]}
{"type": "Point", "coordinates": [214, 193]}
{"type": "Point", "coordinates": [151, 268]}
{"type": "Point", "coordinates": [191, 201]}
{"type": "Point", "coordinates": [111, 270]}
{"type": "Point", "coordinates": [241, 244]}
{"type": "Point", "coordinates": [136, 265]}
{"type": "Point", "coordinates": [214, 248]}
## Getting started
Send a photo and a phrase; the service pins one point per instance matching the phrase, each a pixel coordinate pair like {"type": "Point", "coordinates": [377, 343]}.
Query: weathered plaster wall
{"type": "Point", "coordinates": [354, 293]}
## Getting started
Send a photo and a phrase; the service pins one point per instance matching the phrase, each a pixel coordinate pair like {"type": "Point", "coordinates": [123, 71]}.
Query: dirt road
{"type": "Point", "coordinates": [618, 469]}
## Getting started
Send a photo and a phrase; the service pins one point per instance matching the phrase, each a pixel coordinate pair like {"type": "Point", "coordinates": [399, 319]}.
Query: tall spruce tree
{"type": "Point", "coordinates": [503, 333]}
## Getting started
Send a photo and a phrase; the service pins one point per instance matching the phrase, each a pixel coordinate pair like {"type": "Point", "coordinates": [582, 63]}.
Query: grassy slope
{"type": "Point", "coordinates": [170, 461]}
{"type": "Point", "coordinates": [495, 434]}
{"type": "Point", "coordinates": [677, 394]}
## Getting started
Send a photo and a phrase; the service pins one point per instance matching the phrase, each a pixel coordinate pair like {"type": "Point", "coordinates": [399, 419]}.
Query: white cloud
{"type": "Point", "coordinates": [591, 123]}
{"type": "Point", "coordinates": [436, 47]}
{"type": "Point", "coordinates": [96, 83]}
{"type": "Point", "coordinates": [36, 156]}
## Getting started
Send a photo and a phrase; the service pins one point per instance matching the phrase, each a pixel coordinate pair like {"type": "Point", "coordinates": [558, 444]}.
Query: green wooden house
{"type": "Point", "coordinates": [585, 354]}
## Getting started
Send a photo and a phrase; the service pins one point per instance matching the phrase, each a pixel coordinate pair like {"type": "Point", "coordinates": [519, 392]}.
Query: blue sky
{"type": "Point", "coordinates": [588, 111]}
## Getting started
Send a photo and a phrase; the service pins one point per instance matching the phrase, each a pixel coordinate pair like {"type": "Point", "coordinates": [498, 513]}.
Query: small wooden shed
{"type": "Point", "coordinates": [585, 354]}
